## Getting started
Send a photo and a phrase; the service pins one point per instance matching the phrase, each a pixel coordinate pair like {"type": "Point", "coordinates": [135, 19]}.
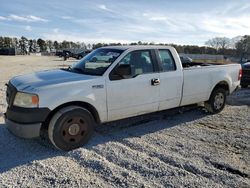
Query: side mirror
{"type": "Point", "coordinates": [123, 70]}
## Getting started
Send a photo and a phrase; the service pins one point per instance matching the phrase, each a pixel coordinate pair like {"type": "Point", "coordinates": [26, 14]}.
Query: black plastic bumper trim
{"type": "Point", "coordinates": [27, 115]}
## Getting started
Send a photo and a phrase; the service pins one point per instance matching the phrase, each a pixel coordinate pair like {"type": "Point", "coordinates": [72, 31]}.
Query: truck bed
{"type": "Point", "coordinates": [200, 64]}
{"type": "Point", "coordinates": [200, 78]}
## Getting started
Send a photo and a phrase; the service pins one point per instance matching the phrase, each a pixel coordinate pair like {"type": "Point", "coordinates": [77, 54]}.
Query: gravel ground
{"type": "Point", "coordinates": [167, 149]}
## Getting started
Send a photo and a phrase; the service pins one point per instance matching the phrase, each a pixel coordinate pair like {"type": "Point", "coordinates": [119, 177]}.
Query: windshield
{"type": "Point", "coordinates": [97, 62]}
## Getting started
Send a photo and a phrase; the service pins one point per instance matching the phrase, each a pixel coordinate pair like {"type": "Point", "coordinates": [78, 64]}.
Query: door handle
{"type": "Point", "coordinates": [155, 81]}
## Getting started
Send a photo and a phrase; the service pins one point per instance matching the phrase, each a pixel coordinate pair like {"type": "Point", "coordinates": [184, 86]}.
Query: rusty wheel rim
{"type": "Point", "coordinates": [74, 130]}
{"type": "Point", "coordinates": [219, 101]}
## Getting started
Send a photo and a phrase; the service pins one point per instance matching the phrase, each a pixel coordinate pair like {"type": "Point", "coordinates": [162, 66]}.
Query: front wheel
{"type": "Point", "coordinates": [71, 127]}
{"type": "Point", "coordinates": [217, 101]}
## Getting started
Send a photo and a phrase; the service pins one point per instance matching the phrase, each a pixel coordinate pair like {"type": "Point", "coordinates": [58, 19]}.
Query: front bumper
{"type": "Point", "coordinates": [23, 130]}
{"type": "Point", "coordinates": [25, 122]}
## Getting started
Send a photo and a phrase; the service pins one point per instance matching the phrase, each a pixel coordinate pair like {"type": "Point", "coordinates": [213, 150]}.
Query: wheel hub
{"type": "Point", "coordinates": [74, 129]}
{"type": "Point", "coordinates": [219, 101]}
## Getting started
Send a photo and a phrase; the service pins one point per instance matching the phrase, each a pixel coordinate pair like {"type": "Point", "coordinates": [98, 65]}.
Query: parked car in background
{"type": "Point", "coordinates": [75, 53]}
{"type": "Point", "coordinates": [81, 54]}
{"type": "Point", "coordinates": [67, 54]}
{"type": "Point", "coordinates": [245, 80]}
{"type": "Point", "coordinates": [59, 53]}
{"type": "Point", "coordinates": [7, 51]}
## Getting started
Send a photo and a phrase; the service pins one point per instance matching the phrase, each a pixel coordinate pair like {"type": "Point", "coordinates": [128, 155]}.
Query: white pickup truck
{"type": "Point", "coordinates": [112, 83]}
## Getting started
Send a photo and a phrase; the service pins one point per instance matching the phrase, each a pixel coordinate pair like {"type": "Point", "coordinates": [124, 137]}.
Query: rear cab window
{"type": "Point", "coordinates": [166, 60]}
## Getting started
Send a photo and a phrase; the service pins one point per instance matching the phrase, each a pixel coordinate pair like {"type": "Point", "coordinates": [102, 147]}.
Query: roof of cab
{"type": "Point", "coordinates": [138, 47]}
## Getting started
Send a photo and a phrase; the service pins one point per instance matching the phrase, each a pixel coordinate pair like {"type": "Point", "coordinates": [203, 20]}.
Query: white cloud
{"type": "Point", "coordinates": [244, 8]}
{"type": "Point", "coordinates": [75, 37]}
{"type": "Point", "coordinates": [18, 18]}
{"type": "Point", "coordinates": [211, 23]}
{"type": "Point", "coordinates": [35, 19]}
{"type": "Point", "coordinates": [67, 17]}
{"type": "Point", "coordinates": [139, 29]}
{"type": "Point", "coordinates": [3, 18]}
{"type": "Point", "coordinates": [28, 28]}
{"type": "Point", "coordinates": [226, 26]}
{"type": "Point", "coordinates": [234, 8]}
{"type": "Point", "coordinates": [158, 18]}
{"type": "Point", "coordinates": [29, 18]}
{"type": "Point", "coordinates": [104, 7]}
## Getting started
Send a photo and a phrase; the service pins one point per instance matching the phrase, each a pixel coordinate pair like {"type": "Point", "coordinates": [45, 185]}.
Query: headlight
{"type": "Point", "coordinates": [26, 100]}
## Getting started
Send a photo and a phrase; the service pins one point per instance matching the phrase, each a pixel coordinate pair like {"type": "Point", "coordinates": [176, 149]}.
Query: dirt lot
{"type": "Point", "coordinates": [190, 149]}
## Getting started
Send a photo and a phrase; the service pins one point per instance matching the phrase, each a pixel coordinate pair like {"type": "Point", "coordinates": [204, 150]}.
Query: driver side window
{"type": "Point", "coordinates": [140, 62]}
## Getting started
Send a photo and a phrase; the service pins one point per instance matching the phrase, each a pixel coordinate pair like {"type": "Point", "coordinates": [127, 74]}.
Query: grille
{"type": "Point", "coordinates": [10, 93]}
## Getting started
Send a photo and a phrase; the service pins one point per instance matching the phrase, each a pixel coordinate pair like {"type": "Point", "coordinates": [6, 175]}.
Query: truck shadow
{"type": "Point", "coordinates": [15, 152]}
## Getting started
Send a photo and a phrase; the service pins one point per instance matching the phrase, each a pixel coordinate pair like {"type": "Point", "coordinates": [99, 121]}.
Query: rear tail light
{"type": "Point", "coordinates": [240, 74]}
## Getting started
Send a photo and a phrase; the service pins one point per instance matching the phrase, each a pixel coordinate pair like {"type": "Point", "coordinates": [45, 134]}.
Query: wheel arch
{"type": "Point", "coordinates": [85, 105]}
{"type": "Point", "coordinates": [222, 84]}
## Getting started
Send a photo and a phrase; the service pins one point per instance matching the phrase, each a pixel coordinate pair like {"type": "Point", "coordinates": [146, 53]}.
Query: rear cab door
{"type": "Point", "coordinates": [171, 78]}
{"type": "Point", "coordinates": [136, 94]}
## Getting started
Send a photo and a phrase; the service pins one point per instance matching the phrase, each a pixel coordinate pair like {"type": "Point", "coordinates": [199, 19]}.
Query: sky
{"type": "Point", "coordinates": [190, 22]}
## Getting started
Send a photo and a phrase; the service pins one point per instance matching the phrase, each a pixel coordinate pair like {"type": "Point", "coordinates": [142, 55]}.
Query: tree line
{"type": "Point", "coordinates": [26, 46]}
{"type": "Point", "coordinates": [219, 45]}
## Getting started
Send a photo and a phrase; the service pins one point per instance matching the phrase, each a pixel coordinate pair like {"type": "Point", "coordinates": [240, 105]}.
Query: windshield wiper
{"type": "Point", "coordinates": [67, 69]}
{"type": "Point", "coordinates": [77, 69]}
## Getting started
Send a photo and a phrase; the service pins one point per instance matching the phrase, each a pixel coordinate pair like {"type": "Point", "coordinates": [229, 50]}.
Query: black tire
{"type": "Point", "coordinates": [71, 127]}
{"type": "Point", "coordinates": [80, 57]}
{"type": "Point", "coordinates": [244, 85]}
{"type": "Point", "coordinates": [217, 101]}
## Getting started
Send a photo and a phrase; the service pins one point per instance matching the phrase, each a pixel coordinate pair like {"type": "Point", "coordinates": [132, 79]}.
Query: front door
{"type": "Point", "coordinates": [137, 93]}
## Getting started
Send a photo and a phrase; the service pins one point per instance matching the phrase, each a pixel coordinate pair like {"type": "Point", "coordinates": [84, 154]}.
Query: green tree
{"type": "Point", "coordinates": [31, 46]}
{"type": "Point", "coordinates": [42, 45]}
{"type": "Point", "coordinates": [65, 44]}
{"type": "Point", "coordinates": [15, 42]}
{"type": "Point", "coordinates": [89, 46]}
{"type": "Point", "coordinates": [56, 45]}
{"type": "Point", "coordinates": [49, 45]}
{"type": "Point", "coordinates": [243, 47]}
{"type": "Point", "coordinates": [98, 45]}
{"type": "Point", "coordinates": [7, 42]}
{"type": "Point", "coordinates": [1, 42]}
{"type": "Point", "coordinates": [23, 43]}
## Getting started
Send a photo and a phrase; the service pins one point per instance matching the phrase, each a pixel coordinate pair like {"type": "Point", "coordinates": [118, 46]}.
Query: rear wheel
{"type": "Point", "coordinates": [217, 101]}
{"type": "Point", "coordinates": [71, 127]}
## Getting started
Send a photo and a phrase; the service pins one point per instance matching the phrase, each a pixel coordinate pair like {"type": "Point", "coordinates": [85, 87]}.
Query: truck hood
{"type": "Point", "coordinates": [45, 78]}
